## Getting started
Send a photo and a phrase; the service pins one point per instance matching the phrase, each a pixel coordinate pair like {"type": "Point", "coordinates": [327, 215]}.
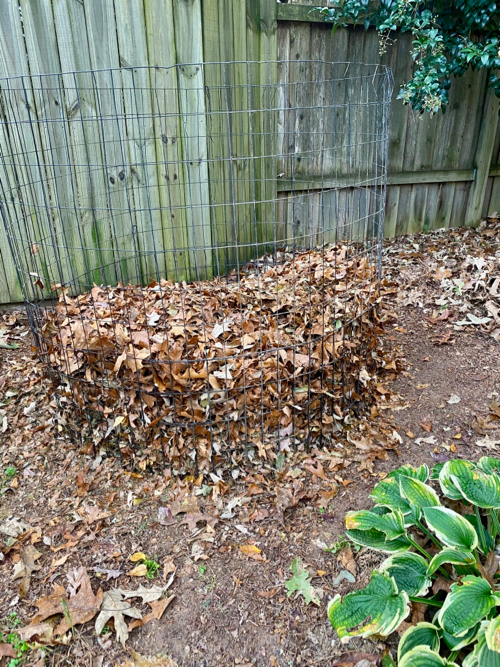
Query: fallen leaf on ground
{"type": "Point", "coordinates": [168, 566]}
{"type": "Point", "coordinates": [139, 571]}
{"type": "Point", "coordinates": [192, 519]}
{"type": "Point", "coordinates": [110, 574]}
{"type": "Point", "coordinates": [488, 443]}
{"type": "Point", "coordinates": [7, 651]}
{"type": "Point", "coordinates": [300, 582]}
{"type": "Point", "coordinates": [25, 567]}
{"type": "Point", "coordinates": [188, 505]}
{"type": "Point", "coordinates": [158, 609]}
{"type": "Point", "coordinates": [137, 557]}
{"type": "Point", "coordinates": [251, 551]}
{"type": "Point", "coordinates": [346, 559]}
{"type": "Point", "coordinates": [42, 632]}
{"type": "Point", "coordinates": [115, 607]}
{"type": "Point", "coordinates": [76, 609]}
{"type": "Point", "coordinates": [165, 517]}
{"type": "Point", "coordinates": [147, 594]}
{"type": "Point", "coordinates": [155, 661]}
{"type": "Point", "coordinates": [14, 527]}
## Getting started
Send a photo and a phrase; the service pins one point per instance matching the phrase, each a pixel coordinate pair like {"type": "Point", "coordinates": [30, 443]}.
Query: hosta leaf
{"type": "Point", "coordinates": [450, 555]}
{"type": "Point", "coordinates": [421, 473]}
{"type": "Point", "coordinates": [457, 643]}
{"type": "Point", "coordinates": [377, 609]}
{"type": "Point", "coordinates": [417, 493]}
{"type": "Point", "coordinates": [466, 604]}
{"type": "Point", "coordinates": [375, 539]}
{"type": "Point", "coordinates": [423, 634]}
{"type": "Point", "coordinates": [451, 528]}
{"type": "Point", "coordinates": [435, 472]}
{"type": "Point", "coordinates": [391, 524]}
{"type": "Point", "coordinates": [409, 571]}
{"type": "Point", "coordinates": [388, 494]}
{"type": "Point", "coordinates": [423, 656]}
{"type": "Point", "coordinates": [489, 465]}
{"type": "Point", "coordinates": [476, 486]}
{"type": "Point", "coordinates": [483, 655]}
{"type": "Point", "coordinates": [447, 485]}
{"type": "Point", "coordinates": [492, 635]}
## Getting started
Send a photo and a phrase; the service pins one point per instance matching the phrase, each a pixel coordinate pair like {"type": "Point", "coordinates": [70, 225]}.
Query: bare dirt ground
{"type": "Point", "coordinates": [227, 548]}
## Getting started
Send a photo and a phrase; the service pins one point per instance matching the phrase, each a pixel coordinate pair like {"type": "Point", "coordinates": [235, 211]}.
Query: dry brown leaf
{"type": "Point", "coordinates": [346, 560]}
{"type": "Point", "coordinates": [158, 609]}
{"type": "Point", "coordinates": [192, 520]}
{"type": "Point", "coordinates": [25, 567]}
{"type": "Point", "coordinates": [42, 632]}
{"type": "Point", "coordinates": [139, 571]}
{"type": "Point", "coordinates": [7, 651]}
{"type": "Point", "coordinates": [115, 607]}
{"type": "Point", "coordinates": [76, 609]}
{"type": "Point", "coordinates": [188, 505]}
{"type": "Point", "coordinates": [168, 566]}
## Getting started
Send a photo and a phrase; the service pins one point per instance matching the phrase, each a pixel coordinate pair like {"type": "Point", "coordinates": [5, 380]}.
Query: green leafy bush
{"type": "Point", "coordinates": [448, 38]}
{"type": "Point", "coordinates": [441, 553]}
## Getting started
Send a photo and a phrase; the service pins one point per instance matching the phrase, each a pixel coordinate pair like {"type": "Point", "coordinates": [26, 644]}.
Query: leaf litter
{"type": "Point", "coordinates": [33, 440]}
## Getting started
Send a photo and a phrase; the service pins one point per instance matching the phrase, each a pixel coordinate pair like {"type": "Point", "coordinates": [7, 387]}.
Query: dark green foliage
{"type": "Point", "coordinates": [449, 36]}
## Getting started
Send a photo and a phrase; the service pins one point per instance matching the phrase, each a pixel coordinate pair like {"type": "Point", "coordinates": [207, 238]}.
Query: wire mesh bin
{"type": "Point", "coordinates": [199, 249]}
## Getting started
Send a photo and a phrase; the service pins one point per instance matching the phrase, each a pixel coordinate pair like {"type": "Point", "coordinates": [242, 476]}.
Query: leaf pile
{"type": "Point", "coordinates": [273, 356]}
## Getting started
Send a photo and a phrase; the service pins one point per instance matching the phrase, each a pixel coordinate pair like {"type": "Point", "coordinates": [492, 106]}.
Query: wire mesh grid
{"type": "Point", "coordinates": [199, 249]}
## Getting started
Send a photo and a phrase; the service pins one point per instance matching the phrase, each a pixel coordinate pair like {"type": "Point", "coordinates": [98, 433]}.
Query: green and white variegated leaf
{"type": "Point", "coordinates": [377, 609]}
{"type": "Point", "coordinates": [375, 539]}
{"type": "Point", "coordinates": [423, 656]}
{"type": "Point", "coordinates": [391, 524]}
{"type": "Point", "coordinates": [434, 476]}
{"type": "Point", "coordinates": [482, 655]}
{"type": "Point", "coordinates": [409, 571]}
{"type": "Point", "coordinates": [421, 473]}
{"type": "Point", "coordinates": [447, 485]}
{"type": "Point", "coordinates": [466, 604]}
{"type": "Point", "coordinates": [423, 634]}
{"type": "Point", "coordinates": [418, 493]}
{"type": "Point", "coordinates": [471, 660]}
{"type": "Point", "coordinates": [452, 556]}
{"type": "Point", "coordinates": [489, 465]}
{"type": "Point", "coordinates": [492, 634]}
{"type": "Point", "coordinates": [457, 643]}
{"type": "Point", "coordinates": [451, 528]}
{"type": "Point", "coordinates": [475, 486]}
{"type": "Point", "coordinates": [388, 494]}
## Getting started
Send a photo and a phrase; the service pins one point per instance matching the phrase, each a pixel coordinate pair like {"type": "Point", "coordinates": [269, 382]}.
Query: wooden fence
{"type": "Point", "coordinates": [443, 171]}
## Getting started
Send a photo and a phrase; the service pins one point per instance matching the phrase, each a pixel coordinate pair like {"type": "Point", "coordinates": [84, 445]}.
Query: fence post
{"type": "Point", "coordinates": [482, 160]}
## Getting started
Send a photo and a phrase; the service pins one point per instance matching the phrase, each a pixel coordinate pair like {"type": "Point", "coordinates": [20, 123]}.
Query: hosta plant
{"type": "Point", "coordinates": [440, 532]}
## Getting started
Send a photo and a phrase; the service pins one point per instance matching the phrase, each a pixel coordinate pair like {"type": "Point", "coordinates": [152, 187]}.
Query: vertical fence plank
{"type": "Point", "coordinates": [159, 17]}
{"type": "Point", "coordinates": [119, 222]}
{"type": "Point", "coordinates": [483, 156]}
{"type": "Point", "coordinates": [132, 45]}
{"type": "Point", "coordinates": [262, 46]}
{"type": "Point", "coordinates": [39, 217]}
{"type": "Point", "coordinates": [189, 47]}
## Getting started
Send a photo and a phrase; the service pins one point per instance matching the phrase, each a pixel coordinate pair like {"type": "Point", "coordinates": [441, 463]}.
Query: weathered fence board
{"type": "Point", "coordinates": [443, 171]}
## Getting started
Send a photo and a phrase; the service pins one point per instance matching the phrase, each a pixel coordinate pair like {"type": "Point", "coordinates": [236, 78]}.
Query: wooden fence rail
{"type": "Point", "coordinates": [443, 171]}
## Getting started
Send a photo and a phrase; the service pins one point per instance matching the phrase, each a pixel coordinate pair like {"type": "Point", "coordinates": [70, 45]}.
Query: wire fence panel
{"type": "Point", "coordinates": [199, 247]}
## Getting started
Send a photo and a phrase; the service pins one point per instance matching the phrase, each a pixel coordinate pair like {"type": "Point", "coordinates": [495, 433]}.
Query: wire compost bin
{"type": "Point", "coordinates": [199, 250]}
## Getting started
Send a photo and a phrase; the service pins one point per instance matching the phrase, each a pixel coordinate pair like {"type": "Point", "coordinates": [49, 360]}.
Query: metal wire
{"type": "Point", "coordinates": [199, 248]}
